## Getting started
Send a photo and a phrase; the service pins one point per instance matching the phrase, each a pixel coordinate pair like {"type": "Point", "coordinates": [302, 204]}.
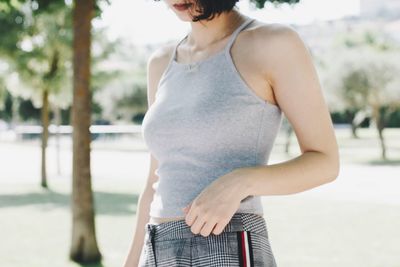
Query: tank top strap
{"type": "Point", "coordinates": [236, 32]}
{"type": "Point", "coordinates": [173, 57]}
{"type": "Point", "coordinates": [227, 46]}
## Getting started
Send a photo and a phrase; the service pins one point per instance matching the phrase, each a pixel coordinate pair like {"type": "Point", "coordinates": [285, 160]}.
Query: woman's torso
{"type": "Point", "coordinates": [248, 66]}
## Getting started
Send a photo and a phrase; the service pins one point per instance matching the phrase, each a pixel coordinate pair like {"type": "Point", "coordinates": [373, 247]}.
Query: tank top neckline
{"type": "Point", "coordinates": [224, 51]}
{"type": "Point", "coordinates": [223, 54]}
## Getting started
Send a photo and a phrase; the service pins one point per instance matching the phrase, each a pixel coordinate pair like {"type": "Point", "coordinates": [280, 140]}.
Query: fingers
{"type": "Point", "coordinates": [204, 224]}
{"type": "Point", "coordinates": [219, 227]}
{"type": "Point", "coordinates": [197, 225]}
{"type": "Point", "coordinates": [190, 217]}
{"type": "Point", "coordinates": [207, 228]}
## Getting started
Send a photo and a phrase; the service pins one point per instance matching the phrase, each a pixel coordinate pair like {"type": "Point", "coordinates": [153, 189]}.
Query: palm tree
{"type": "Point", "coordinates": [84, 247]}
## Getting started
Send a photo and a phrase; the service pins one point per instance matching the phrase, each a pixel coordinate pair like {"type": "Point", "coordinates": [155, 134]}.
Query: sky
{"type": "Point", "coordinates": [143, 22]}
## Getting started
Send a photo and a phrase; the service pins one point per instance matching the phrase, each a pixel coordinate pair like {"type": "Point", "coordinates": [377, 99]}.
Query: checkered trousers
{"type": "Point", "coordinates": [243, 243]}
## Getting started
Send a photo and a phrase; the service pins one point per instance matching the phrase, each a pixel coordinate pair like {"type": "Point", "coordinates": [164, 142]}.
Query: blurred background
{"type": "Point", "coordinates": [67, 205]}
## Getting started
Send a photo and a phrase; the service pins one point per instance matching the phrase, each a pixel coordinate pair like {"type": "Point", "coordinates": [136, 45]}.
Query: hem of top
{"type": "Point", "coordinates": [251, 210]}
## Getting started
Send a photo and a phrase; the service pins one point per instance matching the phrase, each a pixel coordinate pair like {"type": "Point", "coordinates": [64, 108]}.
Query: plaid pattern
{"type": "Point", "coordinates": [243, 243]}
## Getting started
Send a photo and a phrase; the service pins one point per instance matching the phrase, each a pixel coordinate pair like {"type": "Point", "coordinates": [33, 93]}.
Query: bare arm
{"type": "Point", "coordinates": [155, 67]}
{"type": "Point", "coordinates": [287, 65]}
{"type": "Point", "coordinates": [290, 70]}
{"type": "Point", "coordinates": [142, 218]}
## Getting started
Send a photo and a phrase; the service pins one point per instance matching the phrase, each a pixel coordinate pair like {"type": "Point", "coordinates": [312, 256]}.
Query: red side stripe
{"type": "Point", "coordinates": [244, 250]}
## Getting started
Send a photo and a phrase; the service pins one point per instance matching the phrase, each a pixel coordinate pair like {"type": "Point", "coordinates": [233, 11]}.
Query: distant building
{"type": "Point", "coordinates": [378, 8]}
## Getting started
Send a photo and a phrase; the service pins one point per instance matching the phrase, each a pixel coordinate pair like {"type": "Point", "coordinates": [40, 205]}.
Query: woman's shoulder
{"type": "Point", "coordinates": [156, 64]}
{"type": "Point", "coordinates": [274, 43]}
{"type": "Point", "coordinates": [265, 34]}
{"type": "Point", "coordinates": [159, 59]}
{"type": "Point", "coordinates": [161, 55]}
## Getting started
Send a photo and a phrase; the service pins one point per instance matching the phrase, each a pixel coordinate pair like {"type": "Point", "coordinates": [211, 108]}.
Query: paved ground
{"type": "Point", "coordinates": [352, 222]}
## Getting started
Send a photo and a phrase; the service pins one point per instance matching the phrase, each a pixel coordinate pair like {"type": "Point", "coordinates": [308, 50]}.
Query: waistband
{"type": "Point", "coordinates": [179, 229]}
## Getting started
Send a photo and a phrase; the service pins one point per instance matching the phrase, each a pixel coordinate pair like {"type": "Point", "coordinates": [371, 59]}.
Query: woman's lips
{"type": "Point", "coordinates": [182, 7]}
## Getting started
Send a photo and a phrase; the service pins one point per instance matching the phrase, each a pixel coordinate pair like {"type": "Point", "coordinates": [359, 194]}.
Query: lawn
{"type": "Point", "coordinates": [351, 222]}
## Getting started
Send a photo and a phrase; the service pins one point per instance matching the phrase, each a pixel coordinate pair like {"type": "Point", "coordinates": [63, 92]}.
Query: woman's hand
{"type": "Point", "coordinates": [213, 208]}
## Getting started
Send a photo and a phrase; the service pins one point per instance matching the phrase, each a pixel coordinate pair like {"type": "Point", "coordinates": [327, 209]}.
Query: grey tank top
{"type": "Point", "coordinates": [205, 122]}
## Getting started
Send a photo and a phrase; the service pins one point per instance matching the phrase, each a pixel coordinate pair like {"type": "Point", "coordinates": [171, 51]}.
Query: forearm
{"type": "Point", "coordinates": [142, 217]}
{"type": "Point", "coordinates": [309, 170]}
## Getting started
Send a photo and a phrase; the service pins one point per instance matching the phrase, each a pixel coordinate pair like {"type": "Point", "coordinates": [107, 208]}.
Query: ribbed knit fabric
{"type": "Point", "coordinates": [206, 122]}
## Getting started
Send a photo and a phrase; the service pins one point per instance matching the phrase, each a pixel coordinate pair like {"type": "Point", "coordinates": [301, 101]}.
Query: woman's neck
{"type": "Point", "coordinates": [204, 33]}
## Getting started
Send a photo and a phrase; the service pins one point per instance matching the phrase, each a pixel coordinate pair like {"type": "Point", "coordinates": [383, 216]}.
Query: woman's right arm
{"type": "Point", "coordinates": [155, 67]}
{"type": "Point", "coordinates": [142, 217]}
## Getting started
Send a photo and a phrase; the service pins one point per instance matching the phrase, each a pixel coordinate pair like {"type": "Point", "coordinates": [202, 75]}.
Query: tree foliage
{"type": "Point", "coordinates": [261, 3]}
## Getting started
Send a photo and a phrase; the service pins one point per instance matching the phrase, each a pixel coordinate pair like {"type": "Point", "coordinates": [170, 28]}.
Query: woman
{"type": "Point", "coordinates": [216, 100]}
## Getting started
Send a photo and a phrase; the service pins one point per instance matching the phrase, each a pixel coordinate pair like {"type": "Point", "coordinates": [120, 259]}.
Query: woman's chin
{"type": "Point", "coordinates": [184, 17]}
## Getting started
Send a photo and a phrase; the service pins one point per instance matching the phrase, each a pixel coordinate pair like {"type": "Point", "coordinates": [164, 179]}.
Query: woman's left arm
{"type": "Point", "coordinates": [291, 72]}
{"type": "Point", "coordinates": [289, 69]}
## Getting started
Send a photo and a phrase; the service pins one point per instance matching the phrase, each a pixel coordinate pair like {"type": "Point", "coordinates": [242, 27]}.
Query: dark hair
{"type": "Point", "coordinates": [209, 8]}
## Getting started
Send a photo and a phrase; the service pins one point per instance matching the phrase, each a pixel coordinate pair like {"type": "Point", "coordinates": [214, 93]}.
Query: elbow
{"type": "Point", "coordinates": [334, 167]}
{"type": "Point", "coordinates": [334, 174]}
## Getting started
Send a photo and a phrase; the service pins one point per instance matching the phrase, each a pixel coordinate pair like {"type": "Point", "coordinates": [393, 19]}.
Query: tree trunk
{"type": "Point", "coordinates": [45, 135]}
{"type": "Point", "coordinates": [380, 125]}
{"type": "Point", "coordinates": [84, 247]}
{"type": "Point", "coordinates": [354, 130]}
{"type": "Point", "coordinates": [57, 116]}
{"type": "Point", "coordinates": [358, 118]}
{"type": "Point", "coordinates": [15, 111]}
{"type": "Point", "coordinates": [382, 142]}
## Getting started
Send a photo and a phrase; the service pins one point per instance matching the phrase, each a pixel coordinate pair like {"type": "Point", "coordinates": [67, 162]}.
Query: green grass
{"type": "Point", "coordinates": [352, 222]}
